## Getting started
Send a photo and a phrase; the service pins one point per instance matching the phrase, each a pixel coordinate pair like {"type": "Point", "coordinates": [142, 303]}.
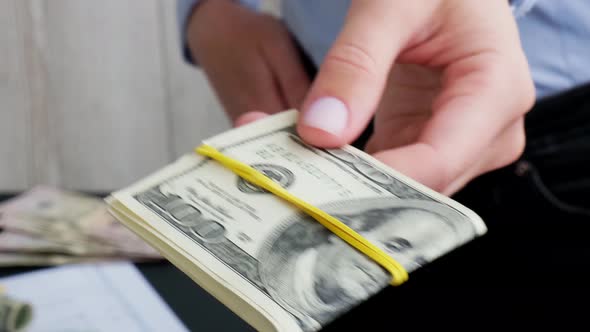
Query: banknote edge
{"type": "Point", "coordinates": [258, 319]}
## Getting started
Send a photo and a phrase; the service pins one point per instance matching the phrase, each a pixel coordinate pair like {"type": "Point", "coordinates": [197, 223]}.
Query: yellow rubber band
{"type": "Point", "coordinates": [248, 173]}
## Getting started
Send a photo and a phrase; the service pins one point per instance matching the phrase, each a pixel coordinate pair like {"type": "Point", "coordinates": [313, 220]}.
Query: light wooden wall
{"type": "Point", "coordinates": [95, 94]}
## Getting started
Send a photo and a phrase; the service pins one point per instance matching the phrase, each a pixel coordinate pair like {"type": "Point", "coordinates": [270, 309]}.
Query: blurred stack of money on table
{"type": "Point", "coordinates": [48, 226]}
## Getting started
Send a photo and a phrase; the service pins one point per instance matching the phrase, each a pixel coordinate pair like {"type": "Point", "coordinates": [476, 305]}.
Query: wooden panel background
{"type": "Point", "coordinates": [95, 94]}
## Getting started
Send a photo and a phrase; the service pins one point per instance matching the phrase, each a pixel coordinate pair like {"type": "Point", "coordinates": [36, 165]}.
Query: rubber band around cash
{"type": "Point", "coordinates": [250, 174]}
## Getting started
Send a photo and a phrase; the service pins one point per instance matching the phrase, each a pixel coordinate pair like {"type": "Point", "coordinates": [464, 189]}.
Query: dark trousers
{"type": "Point", "coordinates": [532, 268]}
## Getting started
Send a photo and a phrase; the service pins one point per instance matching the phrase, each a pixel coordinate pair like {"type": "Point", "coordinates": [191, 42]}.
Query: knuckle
{"type": "Point", "coordinates": [446, 177]}
{"type": "Point", "coordinates": [521, 92]}
{"type": "Point", "coordinates": [528, 95]}
{"type": "Point", "coordinates": [353, 56]}
{"type": "Point", "coordinates": [446, 172]}
{"type": "Point", "coordinates": [495, 76]}
{"type": "Point", "coordinates": [522, 87]}
{"type": "Point", "coordinates": [517, 144]}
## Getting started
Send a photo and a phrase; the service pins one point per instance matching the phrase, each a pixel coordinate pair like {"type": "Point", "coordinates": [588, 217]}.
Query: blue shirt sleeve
{"type": "Point", "coordinates": [521, 7]}
{"type": "Point", "coordinates": [184, 8]}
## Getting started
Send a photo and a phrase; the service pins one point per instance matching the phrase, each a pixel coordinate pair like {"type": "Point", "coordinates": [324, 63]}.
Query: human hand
{"type": "Point", "coordinates": [446, 80]}
{"type": "Point", "coordinates": [249, 59]}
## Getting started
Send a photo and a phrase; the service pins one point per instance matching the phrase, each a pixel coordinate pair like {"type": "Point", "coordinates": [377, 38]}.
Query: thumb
{"type": "Point", "coordinates": [350, 81]}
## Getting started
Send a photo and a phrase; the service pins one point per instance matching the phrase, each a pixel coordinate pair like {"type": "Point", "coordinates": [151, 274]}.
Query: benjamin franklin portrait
{"type": "Point", "coordinates": [316, 276]}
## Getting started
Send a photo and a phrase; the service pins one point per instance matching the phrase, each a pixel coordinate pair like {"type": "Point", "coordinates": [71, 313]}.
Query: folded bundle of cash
{"type": "Point", "coordinates": [48, 226]}
{"type": "Point", "coordinates": [274, 266]}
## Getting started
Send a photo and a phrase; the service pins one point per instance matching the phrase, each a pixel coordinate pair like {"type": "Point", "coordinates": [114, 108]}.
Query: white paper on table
{"type": "Point", "coordinates": [92, 298]}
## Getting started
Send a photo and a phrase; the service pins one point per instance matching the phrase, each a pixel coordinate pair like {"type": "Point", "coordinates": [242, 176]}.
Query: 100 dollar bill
{"type": "Point", "coordinates": [274, 266]}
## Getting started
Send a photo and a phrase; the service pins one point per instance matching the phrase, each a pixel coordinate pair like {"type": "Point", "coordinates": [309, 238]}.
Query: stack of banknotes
{"type": "Point", "coordinates": [48, 226]}
{"type": "Point", "coordinates": [273, 265]}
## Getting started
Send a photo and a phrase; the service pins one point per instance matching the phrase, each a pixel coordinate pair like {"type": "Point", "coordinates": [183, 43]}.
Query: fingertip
{"type": "Point", "coordinates": [249, 117]}
{"type": "Point", "coordinates": [324, 122]}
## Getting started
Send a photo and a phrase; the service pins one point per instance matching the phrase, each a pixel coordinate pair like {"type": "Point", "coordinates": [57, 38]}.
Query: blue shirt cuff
{"type": "Point", "coordinates": [184, 9]}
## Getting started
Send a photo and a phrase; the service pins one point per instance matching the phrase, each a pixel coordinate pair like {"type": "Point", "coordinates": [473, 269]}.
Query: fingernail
{"type": "Point", "coordinates": [328, 114]}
